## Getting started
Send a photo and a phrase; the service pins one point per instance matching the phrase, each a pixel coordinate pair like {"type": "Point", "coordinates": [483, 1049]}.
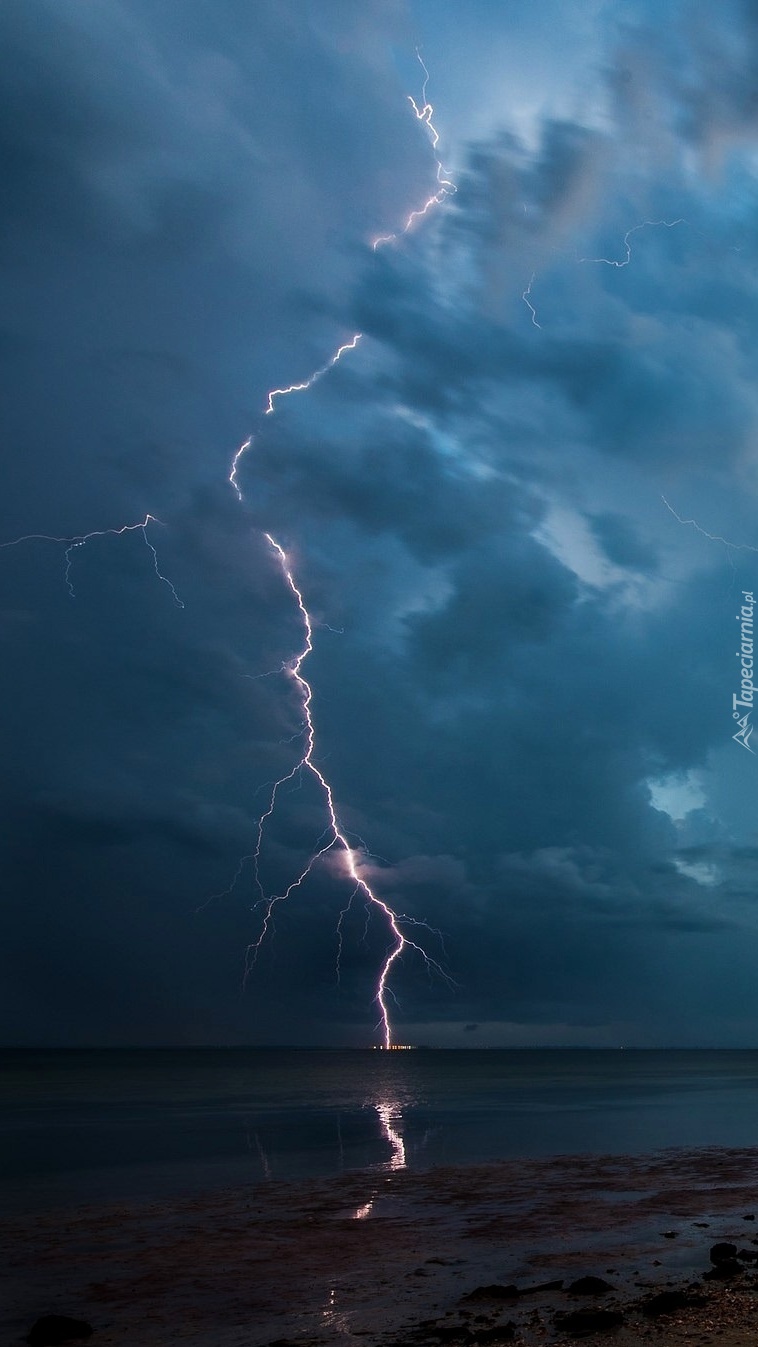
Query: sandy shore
{"type": "Point", "coordinates": [390, 1258]}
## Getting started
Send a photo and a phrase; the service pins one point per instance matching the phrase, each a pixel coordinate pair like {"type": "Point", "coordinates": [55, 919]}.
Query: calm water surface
{"type": "Point", "coordinates": [92, 1125]}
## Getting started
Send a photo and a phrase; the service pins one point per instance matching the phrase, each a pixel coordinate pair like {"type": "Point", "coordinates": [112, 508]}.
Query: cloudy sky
{"type": "Point", "coordinates": [524, 655]}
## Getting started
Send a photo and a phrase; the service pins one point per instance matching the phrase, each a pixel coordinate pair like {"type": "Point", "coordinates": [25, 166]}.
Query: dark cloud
{"type": "Point", "coordinates": [522, 662]}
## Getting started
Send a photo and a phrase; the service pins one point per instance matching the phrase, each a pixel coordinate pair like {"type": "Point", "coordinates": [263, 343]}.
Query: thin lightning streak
{"type": "Point", "coordinates": [712, 537]}
{"type": "Point", "coordinates": [731, 547]}
{"type": "Point", "coordinates": [275, 393]}
{"type": "Point", "coordinates": [604, 261]}
{"type": "Point", "coordinates": [333, 837]}
{"type": "Point", "coordinates": [248, 444]}
{"type": "Point", "coordinates": [645, 224]}
{"type": "Point", "coordinates": [72, 544]}
{"type": "Point", "coordinates": [313, 378]}
{"type": "Point", "coordinates": [157, 569]}
{"type": "Point", "coordinates": [445, 185]}
{"type": "Point", "coordinates": [715, 538]}
{"type": "Point", "coordinates": [527, 301]}
{"type": "Point", "coordinates": [269, 673]}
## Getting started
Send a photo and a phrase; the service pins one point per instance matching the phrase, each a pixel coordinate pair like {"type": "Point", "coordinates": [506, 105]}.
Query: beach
{"type": "Point", "coordinates": [466, 1254]}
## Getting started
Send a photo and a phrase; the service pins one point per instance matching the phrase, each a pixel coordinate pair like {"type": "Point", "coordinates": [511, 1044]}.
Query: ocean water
{"type": "Point", "coordinates": [91, 1126]}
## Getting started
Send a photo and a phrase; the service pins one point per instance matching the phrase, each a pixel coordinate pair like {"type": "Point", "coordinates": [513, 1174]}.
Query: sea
{"type": "Point", "coordinates": [82, 1127]}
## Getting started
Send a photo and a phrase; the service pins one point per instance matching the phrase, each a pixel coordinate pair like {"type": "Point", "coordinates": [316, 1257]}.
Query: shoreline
{"type": "Point", "coordinates": [387, 1256]}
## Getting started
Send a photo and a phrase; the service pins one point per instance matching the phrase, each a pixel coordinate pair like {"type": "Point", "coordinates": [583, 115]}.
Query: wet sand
{"type": "Point", "coordinates": [390, 1257]}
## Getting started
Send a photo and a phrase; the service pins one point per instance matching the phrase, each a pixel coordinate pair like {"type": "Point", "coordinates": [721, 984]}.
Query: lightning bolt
{"type": "Point", "coordinates": [334, 841]}
{"type": "Point", "coordinates": [712, 537]}
{"type": "Point", "coordinates": [313, 378]}
{"type": "Point", "coordinates": [445, 185]}
{"type": "Point", "coordinates": [603, 261]}
{"type": "Point", "coordinates": [645, 224]}
{"type": "Point", "coordinates": [284, 393]}
{"type": "Point", "coordinates": [528, 302]}
{"type": "Point", "coordinates": [731, 547]}
{"type": "Point", "coordinates": [389, 1114]}
{"type": "Point", "coordinates": [79, 540]}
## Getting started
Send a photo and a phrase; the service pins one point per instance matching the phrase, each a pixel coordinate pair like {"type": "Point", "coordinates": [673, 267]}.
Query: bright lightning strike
{"type": "Point", "coordinates": [712, 537]}
{"type": "Point", "coordinates": [603, 261]}
{"type": "Point", "coordinates": [313, 378]}
{"type": "Point", "coordinates": [72, 545]}
{"type": "Point", "coordinates": [445, 185]}
{"type": "Point", "coordinates": [528, 302]}
{"type": "Point", "coordinates": [333, 838]}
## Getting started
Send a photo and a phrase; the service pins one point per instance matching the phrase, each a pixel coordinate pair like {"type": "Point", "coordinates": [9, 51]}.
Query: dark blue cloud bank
{"type": "Point", "coordinates": [524, 662]}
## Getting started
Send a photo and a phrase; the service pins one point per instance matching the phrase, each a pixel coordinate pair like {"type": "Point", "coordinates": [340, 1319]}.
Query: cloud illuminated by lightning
{"type": "Point", "coordinates": [79, 540]}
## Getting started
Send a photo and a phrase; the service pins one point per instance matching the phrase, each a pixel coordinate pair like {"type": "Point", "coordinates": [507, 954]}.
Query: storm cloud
{"type": "Point", "coordinates": [524, 653]}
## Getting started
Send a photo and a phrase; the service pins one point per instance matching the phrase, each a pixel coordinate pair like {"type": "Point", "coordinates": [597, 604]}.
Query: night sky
{"type": "Point", "coordinates": [524, 663]}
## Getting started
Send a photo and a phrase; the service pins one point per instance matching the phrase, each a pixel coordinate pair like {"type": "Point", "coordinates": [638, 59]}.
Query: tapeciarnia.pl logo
{"type": "Point", "coordinates": [747, 687]}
